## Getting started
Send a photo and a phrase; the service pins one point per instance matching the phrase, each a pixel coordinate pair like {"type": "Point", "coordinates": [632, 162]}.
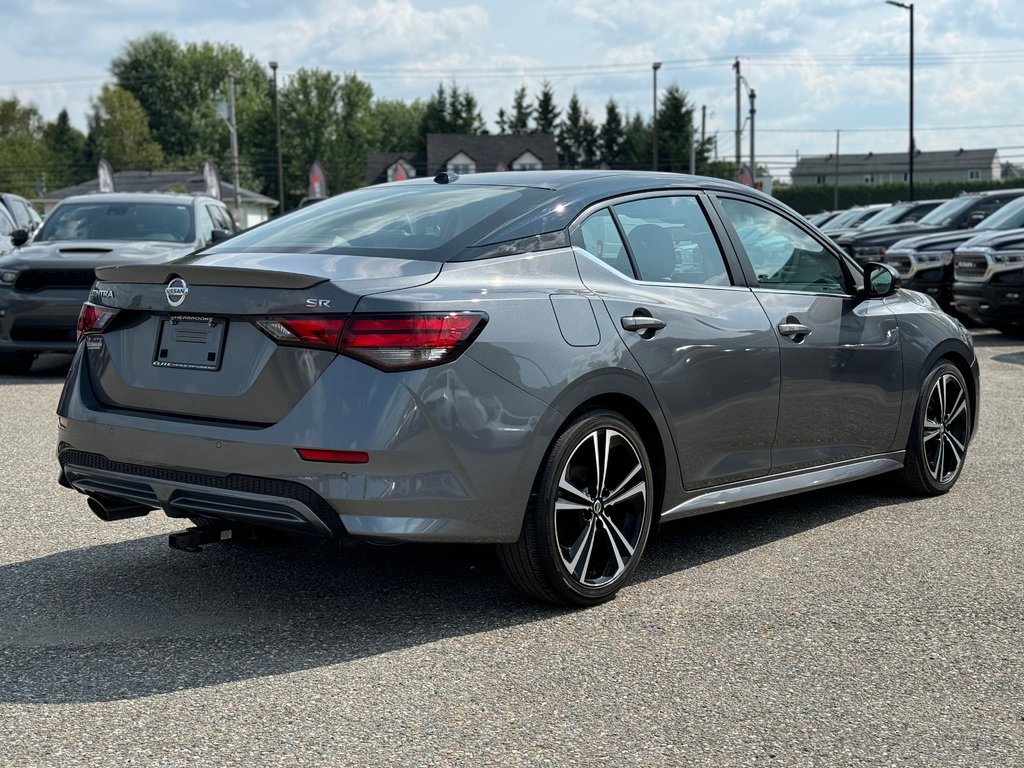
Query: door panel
{"type": "Point", "coordinates": [840, 355]}
{"type": "Point", "coordinates": [707, 348]}
{"type": "Point", "coordinates": [841, 382]}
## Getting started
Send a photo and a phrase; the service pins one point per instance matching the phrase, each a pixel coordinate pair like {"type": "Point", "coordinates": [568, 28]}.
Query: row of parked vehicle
{"type": "Point", "coordinates": [967, 253]}
{"type": "Point", "coordinates": [47, 268]}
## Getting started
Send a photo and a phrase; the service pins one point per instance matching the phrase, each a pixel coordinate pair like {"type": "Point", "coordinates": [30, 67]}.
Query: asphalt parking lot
{"type": "Point", "coordinates": [843, 627]}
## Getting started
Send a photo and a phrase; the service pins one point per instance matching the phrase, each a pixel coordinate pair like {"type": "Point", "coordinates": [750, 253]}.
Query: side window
{"type": "Point", "coordinates": [601, 238]}
{"type": "Point", "coordinates": [783, 255]}
{"type": "Point", "coordinates": [205, 225]}
{"type": "Point", "coordinates": [6, 225]}
{"type": "Point", "coordinates": [671, 241]}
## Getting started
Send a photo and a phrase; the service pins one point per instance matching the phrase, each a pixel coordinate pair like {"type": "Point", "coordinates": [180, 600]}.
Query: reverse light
{"type": "Point", "coordinates": [94, 319]}
{"type": "Point", "coordinates": [333, 457]}
{"type": "Point", "coordinates": [405, 342]}
{"type": "Point", "coordinates": [304, 331]}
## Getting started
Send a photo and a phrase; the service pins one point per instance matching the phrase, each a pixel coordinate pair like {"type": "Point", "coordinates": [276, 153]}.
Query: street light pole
{"type": "Point", "coordinates": [910, 153]}
{"type": "Point", "coordinates": [654, 112]}
{"type": "Point", "coordinates": [277, 123]}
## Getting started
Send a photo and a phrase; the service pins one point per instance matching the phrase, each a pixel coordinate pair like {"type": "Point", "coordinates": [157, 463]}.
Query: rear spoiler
{"type": "Point", "coordinates": [238, 277]}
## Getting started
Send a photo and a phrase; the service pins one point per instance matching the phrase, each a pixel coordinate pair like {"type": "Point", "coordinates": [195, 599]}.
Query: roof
{"type": "Point", "coordinates": [134, 197]}
{"type": "Point", "coordinates": [160, 181]}
{"type": "Point", "coordinates": [490, 152]}
{"type": "Point", "coordinates": [896, 161]}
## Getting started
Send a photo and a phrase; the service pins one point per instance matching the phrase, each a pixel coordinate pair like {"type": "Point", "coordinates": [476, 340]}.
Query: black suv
{"type": "Point", "coordinates": [44, 284]}
{"type": "Point", "coordinates": [988, 282]}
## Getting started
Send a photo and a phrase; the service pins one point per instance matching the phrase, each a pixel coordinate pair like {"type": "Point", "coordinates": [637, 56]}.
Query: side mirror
{"type": "Point", "coordinates": [19, 237]}
{"type": "Point", "coordinates": [880, 280]}
{"type": "Point", "coordinates": [220, 235]}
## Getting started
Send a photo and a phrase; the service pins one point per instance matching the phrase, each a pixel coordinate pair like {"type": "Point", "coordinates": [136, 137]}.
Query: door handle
{"type": "Point", "coordinates": [639, 323]}
{"type": "Point", "coordinates": [794, 329]}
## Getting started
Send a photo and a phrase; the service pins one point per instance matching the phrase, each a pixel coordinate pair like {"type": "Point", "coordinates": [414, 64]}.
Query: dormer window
{"type": "Point", "coordinates": [527, 162]}
{"type": "Point", "coordinates": [400, 170]}
{"type": "Point", "coordinates": [461, 164]}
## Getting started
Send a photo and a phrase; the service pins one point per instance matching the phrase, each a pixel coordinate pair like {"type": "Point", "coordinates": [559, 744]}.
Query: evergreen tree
{"type": "Point", "coordinates": [67, 147]}
{"type": "Point", "coordinates": [522, 111]}
{"type": "Point", "coordinates": [636, 149]}
{"type": "Point", "coordinates": [569, 139]}
{"type": "Point", "coordinates": [612, 137]}
{"type": "Point", "coordinates": [675, 131]}
{"type": "Point", "coordinates": [502, 121]}
{"type": "Point", "coordinates": [545, 115]}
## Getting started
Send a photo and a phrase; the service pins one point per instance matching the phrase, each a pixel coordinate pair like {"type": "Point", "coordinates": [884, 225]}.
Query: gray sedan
{"type": "Point", "coordinates": [552, 362]}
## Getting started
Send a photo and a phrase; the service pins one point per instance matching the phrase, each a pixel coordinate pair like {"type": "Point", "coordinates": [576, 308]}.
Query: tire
{"type": "Point", "coordinates": [939, 435]}
{"type": "Point", "coordinates": [15, 363]}
{"type": "Point", "coordinates": [583, 534]}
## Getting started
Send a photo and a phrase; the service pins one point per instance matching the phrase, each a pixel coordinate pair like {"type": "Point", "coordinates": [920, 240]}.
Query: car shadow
{"type": "Point", "coordinates": [45, 369]}
{"type": "Point", "coordinates": [133, 619]}
{"type": "Point", "coordinates": [992, 338]}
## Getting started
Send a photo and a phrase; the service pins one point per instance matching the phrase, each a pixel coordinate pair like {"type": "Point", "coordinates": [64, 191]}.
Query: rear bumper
{"type": "Point", "coordinates": [453, 452]}
{"type": "Point", "coordinates": [39, 322]}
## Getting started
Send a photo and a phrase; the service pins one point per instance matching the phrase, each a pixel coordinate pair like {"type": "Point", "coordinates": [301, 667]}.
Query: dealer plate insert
{"type": "Point", "coordinates": [190, 341]}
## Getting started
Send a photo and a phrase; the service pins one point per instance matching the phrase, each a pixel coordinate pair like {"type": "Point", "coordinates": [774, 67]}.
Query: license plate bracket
{"type": "Point", "coordinates": [192, 342]}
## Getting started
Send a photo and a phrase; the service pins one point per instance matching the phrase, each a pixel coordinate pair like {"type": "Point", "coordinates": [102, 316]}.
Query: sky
{"type": "Point", "coordinates": [816, 67]}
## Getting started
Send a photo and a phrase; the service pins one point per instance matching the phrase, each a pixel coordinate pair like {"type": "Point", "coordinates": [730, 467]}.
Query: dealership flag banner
{"type": "Point", "coordinates": [105, 174]}
{"type": "Point", "coordinates": [211, 177]}
{"type": "Point", "coordinates": [317, 181]}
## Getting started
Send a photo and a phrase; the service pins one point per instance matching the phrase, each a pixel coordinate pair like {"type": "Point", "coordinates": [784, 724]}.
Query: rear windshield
{"type": "Point", "coordinates": [165, 222]}
{"type": "Point", "coordinates": [410, 221]}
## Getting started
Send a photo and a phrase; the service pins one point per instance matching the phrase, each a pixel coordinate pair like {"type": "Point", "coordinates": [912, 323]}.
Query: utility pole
{"type": "Point", "coordinates": [280, 163]}
{"type": "Point", "coordinates": [233, 130]}
{"type": "Point", "coordinates": [835, 196]}
{"type": "Point", "coordinates": [739, 159]}
{"type": "Point", "coordinates": [654, 115]}
{"type": "Point", "coordinates": [753, 163]}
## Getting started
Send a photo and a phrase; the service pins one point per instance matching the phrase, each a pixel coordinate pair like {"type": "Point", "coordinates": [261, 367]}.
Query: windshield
{"type": "Point", "coordinates": [947, 212]}
{"type": "Point", "coordinates": [1010, 216]}
{"type": "Point", "coordinates": [886, 216]}
{"type": "Point", "coordinates": [843, 219]}
{"type": "Point", "coordinates": [410, 221]}
{"type": "Point", "coordinates": [106, 220]}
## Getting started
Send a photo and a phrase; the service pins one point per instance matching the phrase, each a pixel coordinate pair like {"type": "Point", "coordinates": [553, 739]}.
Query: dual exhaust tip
{"type": "Point", "coordinates": [109, 508]}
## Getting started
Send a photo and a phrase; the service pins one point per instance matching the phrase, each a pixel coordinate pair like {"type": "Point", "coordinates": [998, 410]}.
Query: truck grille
{"type": "Point", "coordinates": [32, 280]}
{"type": "Point", "coordinates": [970, 266]}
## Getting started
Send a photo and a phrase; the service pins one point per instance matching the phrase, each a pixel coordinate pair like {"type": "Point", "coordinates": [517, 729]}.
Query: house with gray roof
{"type": "Point", "coordinates": [891, 167]}
{"type": "Point", "coordinates": [256, 208]}
{"type": "Point", "coordinates": [466, 153]}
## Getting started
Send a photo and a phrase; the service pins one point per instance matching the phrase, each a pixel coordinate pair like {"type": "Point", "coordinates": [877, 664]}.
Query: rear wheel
{"type": "Point", "coordinates": [589, 515]}
{"type": "Point", "coordinates": [16, 362]}
{"type": "Point", "coordinates": [937, 446]}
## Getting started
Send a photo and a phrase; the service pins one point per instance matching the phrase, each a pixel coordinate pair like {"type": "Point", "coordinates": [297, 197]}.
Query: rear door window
{"type": "Point", "coordinates": [671, 241]}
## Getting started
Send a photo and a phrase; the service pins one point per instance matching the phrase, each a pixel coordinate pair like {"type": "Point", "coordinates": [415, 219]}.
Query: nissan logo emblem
{"type": "Point", "coordinates": [176, 291]}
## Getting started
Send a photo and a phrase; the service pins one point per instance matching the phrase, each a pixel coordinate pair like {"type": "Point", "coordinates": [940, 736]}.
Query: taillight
{"type": "Point", "coordinates": [93, 319]}
{"type": "Point", "coordinates": [403, 342]}
{"type": "Point", "coordinates": [389, 342]}
{"type": "Point", "coordinates": [304, 331]}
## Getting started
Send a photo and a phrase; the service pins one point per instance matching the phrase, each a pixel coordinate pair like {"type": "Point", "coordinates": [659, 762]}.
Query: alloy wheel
{"type": "Point", "coordinates": [946, 424]}
{"type": "Point", "coordinates": [600, 507]}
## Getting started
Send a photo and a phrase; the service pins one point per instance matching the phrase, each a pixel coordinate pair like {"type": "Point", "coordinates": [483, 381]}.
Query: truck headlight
{"type": "Point", "coordinates": [8, 276]}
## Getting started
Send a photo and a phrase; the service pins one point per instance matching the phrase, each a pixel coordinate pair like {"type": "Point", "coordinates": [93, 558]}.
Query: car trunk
{"type": "Point", "coordinates": [206, 358]}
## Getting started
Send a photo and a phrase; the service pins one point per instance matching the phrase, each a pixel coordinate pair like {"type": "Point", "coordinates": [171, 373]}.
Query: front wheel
{"type": "Point", "coordinates": [937, 446]}
{"type": "Point", "coordinates": [589, 515]}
